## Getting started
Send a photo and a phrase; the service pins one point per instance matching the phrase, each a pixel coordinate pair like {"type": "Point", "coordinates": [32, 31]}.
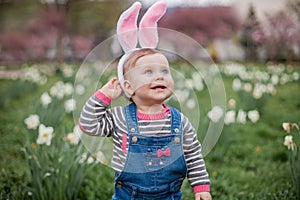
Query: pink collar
{"type": "Point", "coordinates": [156, 116]}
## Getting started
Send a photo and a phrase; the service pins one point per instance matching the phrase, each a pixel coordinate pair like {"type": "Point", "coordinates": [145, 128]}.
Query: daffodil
{"type": "Point", "coordinates": [67, 70]}
{"type": "Point", "coordinates": [253, 115]}
{"type": "Point", "coordinates": [32, 122]}
{"type": "Point", "coordinates": [257, 93]}
{"type": "Point", "coordinates": [83, 158]}
{"type": "Point", "coordinates": [286, 126]}
{"type": "Point", "coordinates": [68, 89]}
{"type": "Point", "coordinates": [191, 103]}
{"type": "Point", "coordinates": [45, 135]}
{"type": "Point", "coordinates": [182, 95]}
{"type": "Point", "coordinates": [241, 117]}
{"type": "Point", "coordinates": [275, 79]}
{"type": "Point", "coordinates": [229, 117]}
{"type": "Point", "coordinates": [288, 141]}
{"type": "Point", "coordinates": [231, 103]}
{"type": "Point", "coordinates": [294, 153]}
{"type": "Point", "coordinates": [80, 90]}
{"type": "Point", "coordinates": [247, 87]}
{"type": "Point", "coordinates": [58, 90]}
{"type": "Point", "coordinates": [90, 160]}
{"type": "Point", "coordinates": [236, 84]}
{"type": "Point", "coordinates": [45, 99]}
{"type": "Point", "coordinates": [72, 138]}
{"type": "Point", "coordinates": [296, 76]}
{"type": "Point", "coordinates": [70, 105]}
{"type": "Point", "coordinates": [197, 82]}
{"type": "Point", "coordinates": [215, 114]}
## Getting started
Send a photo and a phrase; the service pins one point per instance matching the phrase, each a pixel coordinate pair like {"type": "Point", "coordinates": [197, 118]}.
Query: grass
{"type": "Point", "coordinates": [13, 165]}
{"type": "Point", "coordinates": [251, 158]}
{"type": "Point", "coordinates": [248, 162]}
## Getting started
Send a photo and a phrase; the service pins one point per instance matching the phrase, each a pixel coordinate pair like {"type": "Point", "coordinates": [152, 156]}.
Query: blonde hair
{"type": "Point", "coordinates": [135, 56]}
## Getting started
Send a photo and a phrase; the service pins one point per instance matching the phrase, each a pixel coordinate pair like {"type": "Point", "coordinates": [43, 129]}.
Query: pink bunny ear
{"type": "Point", "coordinates": [127, 27]}
{"type": "Point", "coordinates": [148, 36]}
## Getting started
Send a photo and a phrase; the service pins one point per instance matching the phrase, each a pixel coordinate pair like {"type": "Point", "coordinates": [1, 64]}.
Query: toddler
{"type": "Point", "coordinates": [155, 146]}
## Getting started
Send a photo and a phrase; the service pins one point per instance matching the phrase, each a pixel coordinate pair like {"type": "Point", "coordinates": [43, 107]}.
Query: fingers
{"type": "Point", "coordinates": [112, 81]}
{"type": "Point", "coordinates": [115, 87]}
{"type": "Point", "coordinates": [112, 88]}
{"type": "Point", "coordinates": [115, 84]}
{"type": "Point", "coordinates": [203, 196]}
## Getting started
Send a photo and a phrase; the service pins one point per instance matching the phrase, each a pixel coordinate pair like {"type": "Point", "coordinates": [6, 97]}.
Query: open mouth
{"type": "Point", "coordinates": [158, 87]}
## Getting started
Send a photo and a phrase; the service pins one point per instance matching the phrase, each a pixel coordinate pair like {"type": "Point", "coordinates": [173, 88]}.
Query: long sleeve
{"type": "Point", "coordinates": [95, 118]}
{"type": "Point", "coordinates": [197, 174]}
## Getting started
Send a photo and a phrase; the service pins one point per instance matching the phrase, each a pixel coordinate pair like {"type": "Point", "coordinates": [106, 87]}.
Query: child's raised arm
{"type": "Point", "coordinates": [95, 118]}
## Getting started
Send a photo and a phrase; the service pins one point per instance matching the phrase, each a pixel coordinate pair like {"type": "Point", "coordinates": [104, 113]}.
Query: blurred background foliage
{"type": "Point", "coordinates": [66, 30]}
{"type": "Point", "coordinates": [54, 30]}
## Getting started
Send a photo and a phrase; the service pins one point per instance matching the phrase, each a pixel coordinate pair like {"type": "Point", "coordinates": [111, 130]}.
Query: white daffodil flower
{"type": "Point", "coordinates": [80, 90]}
{"type": "Point", "coordinates": [72, 138]}
{"type": "Point", "coordinates": [68, 89]}
{"type": "Point", "coordinates": [253, 115]}
{"type": "Point", "coordinates": [288, 141]}
{"type": "Point", "coordinates": [70, 105]}
{"type": "Point", "coordinates": [241, 117]}
{"type": "Point", "coordinates": [45, 135]}
{"type": "Point", "coordinates": [286, 126]}
{"type": "Point", "coordinates": [215, 114]}
{"type": "Point", "coordinates": [45, 99]}
{"type": "Point", "coordinates": [58, 90]}
{"type": "Point", "coordinates": [32, 122]}
{"type": "Point", "coordinates": [229, 117]}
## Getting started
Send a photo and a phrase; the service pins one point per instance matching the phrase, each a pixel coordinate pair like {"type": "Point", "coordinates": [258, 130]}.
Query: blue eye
{"type": "Point", "coordinates": [165, 71]}
{"type": "Point", "coordinates": [148, 71]}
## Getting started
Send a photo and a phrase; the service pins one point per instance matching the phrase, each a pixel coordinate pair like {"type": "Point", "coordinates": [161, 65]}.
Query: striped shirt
{"type": "Point", "coordinates": [97, 119]}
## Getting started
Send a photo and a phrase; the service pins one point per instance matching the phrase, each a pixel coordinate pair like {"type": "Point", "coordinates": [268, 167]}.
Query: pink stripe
{"type": "Point", "coordinates": [201, 188]}
{"type": "Point", "coordinates": [102, 97]}
{"type": "Point", "coordinates": [124, 143]}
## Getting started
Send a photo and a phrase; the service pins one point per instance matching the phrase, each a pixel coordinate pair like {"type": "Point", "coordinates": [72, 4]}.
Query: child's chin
{"type": "Point", "coordinates": [161, 98]}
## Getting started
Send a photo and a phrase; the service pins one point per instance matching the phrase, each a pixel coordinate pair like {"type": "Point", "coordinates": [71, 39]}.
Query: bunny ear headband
{"type": "Point", "coordinates": [129, 35]}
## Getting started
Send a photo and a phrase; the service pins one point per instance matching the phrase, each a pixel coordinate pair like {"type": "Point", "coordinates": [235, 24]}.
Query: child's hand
{"type": "Point", "coordinates": [112, 88]}
{"type": "Point", "coordinates": [203, 196]}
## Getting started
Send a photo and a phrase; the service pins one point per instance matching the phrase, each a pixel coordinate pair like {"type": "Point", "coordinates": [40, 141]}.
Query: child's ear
{"type": "Point", "coordinates": [128, 88]}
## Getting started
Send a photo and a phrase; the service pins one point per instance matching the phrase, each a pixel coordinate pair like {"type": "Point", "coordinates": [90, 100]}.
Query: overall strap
{"type": "Point", "coordinates": [176, 126]}
{"type": "Point", "coordinates": [131, 118]}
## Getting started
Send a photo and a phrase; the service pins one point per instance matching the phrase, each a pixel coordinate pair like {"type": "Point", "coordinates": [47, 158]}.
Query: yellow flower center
{"type": "Point", "coordinates": [45, 135]}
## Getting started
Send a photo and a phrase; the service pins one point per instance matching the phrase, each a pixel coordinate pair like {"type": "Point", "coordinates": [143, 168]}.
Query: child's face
{"type": "Point", "coordinates": [150, 81]}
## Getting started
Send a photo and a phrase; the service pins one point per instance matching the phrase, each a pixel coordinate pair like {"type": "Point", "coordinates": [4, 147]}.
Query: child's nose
{"type": "Point", "coordinates": [159, 76]}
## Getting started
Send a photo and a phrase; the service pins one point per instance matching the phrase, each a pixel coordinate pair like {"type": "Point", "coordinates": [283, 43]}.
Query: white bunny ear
{"type": "Point", "coordinates": [127, 27]}
{"type": "Point", "coordinates": [148, 36]}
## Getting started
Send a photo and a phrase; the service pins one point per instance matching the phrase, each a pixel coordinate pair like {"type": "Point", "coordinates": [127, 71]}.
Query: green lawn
{"type": "Point", "coordinates": [249, 160]}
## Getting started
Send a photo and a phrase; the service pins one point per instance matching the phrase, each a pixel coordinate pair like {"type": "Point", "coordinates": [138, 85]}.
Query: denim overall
{"type": "Point", "coordinates": [155, 166]}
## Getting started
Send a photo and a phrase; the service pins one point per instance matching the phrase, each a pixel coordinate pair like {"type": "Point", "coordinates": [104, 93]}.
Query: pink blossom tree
{"type": "Point", "coordinates": [282, 38]}
{"type": "Point", "coordinates": [56, 30]}
{"type": "Point", "coordinates": [204, 24]}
